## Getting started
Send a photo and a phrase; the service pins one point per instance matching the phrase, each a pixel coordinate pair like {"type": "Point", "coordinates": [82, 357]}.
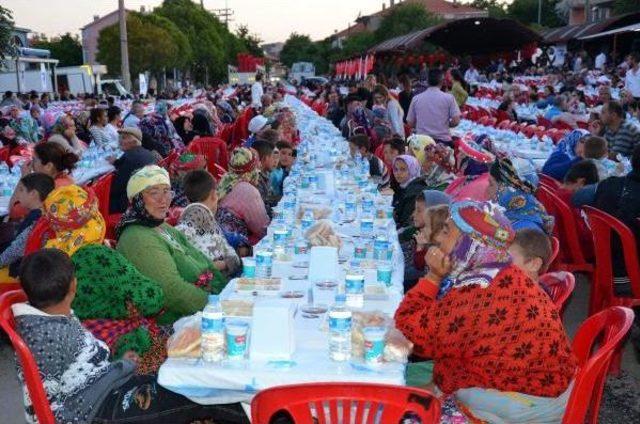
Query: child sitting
{"type": "Point", "coordinates": [377, 169]}
{"type": "Point", "coordinates": [531, 251]}
{"type": "Point", "coordinates": [199, 224]}
{"type": "Point", "coordinates": [287, 155]}
{"type": "Point", "coordinates": [30, 192]}
{"type": "Point", "coordinates": [82, 385]}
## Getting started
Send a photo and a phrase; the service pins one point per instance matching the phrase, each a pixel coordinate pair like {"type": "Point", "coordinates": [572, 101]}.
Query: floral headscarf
{"type": "Point", "coordinates": [441, 172]}
{"type": "Point", "coordinates": [516, 194]}
{"type": "Point", "coordinates": [568, 144]}
{"type": "Point", "coordinates": [417, 144]}
{"type": "Point", "coordinates": [72, 213]}
{"type": "Point", "coordinates": [413, 168]}
{"type": "Point", "coordinates": [187, 162]}
{"type": "Point", "coordinates": [243, 166]}
{"type": "Point", "coordinates": [481, 252]}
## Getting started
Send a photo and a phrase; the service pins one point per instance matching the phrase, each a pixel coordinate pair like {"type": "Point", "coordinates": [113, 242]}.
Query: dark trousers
{"type": "Point", "coordinates": [143, 400]}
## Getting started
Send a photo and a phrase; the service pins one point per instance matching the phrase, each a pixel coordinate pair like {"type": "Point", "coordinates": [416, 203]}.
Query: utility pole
{"type": "Point", "coordinates": [124, 46]}
{"type": "Point", "coordinates": [587, 12]}
{"type": "Point", "coordinates": [539, 12]}
{"type": "Point", "coordinates": [224, 14]}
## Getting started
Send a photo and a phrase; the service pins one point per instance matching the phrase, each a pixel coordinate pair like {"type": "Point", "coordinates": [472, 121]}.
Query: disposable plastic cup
{"type": "Point", "coordinates": [249, 267]}
{"type": "Point", "coordinates": [237, 339]}
{"type": "Point", "coordinates": [373, 344]}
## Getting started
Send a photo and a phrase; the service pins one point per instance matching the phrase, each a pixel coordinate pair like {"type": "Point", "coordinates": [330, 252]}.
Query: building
{"type": "Point", "coordinates": [91, 32]}
{"type": "Point", "coordinates": [272, 50]}
{"type": "Point", "coordinates": [446, 10]}
{"type": "Point", "coordinates": [599, 10]}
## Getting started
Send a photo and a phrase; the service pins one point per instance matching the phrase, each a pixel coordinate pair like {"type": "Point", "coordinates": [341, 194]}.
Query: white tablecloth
{"type": "Point", "coordinates": [232, 381]}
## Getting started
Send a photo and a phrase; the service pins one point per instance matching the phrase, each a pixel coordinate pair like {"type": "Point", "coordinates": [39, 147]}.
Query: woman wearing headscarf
{"type": "Point", "coordinates": [499, 348]}
{"type": "Point", "coordinates": [438, 166]}
{"type": "Point", "coordinates": [161, 252]}
{"type": "Point", "coordinates": [475, 157]}
{"type": "Point", "coordinates": [158, 132]}
{"type": "Point", "coordinates": [64, 134]}
{"type": "Point", "coordinates": [184, 128]}
{"type": "Point", "coordinates": [406, 170]}
{"type": "Point", "coordinates": [512, 185]}
{"type": "Point", "coordinates": [241, 211]}
{"type": "Point", "coordinates": [569, 151]}
{"type": "Point", "coordinates": [179, 168]}
{"type": "Point", "coordinates": [392, 108]}
{"type": "Point", "coordinates": [417, 143]}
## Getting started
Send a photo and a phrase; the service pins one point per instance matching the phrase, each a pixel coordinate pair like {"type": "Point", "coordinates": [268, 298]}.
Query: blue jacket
{"type": "Point", "coordinates": [558, 165]}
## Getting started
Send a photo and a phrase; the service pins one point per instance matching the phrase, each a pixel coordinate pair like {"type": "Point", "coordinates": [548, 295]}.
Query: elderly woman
{"type": "Point", "coordinates": [161, 252]}
{"type": "Point", "coordinates": [241, 211]}
{"type": "Point", "coordinates": [64, 134]}
{"type": "Point", "coordinates": [178, 169]}
{"type": "Point", "coordinates": [406, 170]}
{"type": "Point", "coordinates": [24, 125]}
{"type": "Point", "coordinates": [438, 166]}
{"type": "Point", "coordinates": [497, 341]}
{"type": "Point", "coordinates": [512, 185]}
{"type": "Point", "coordinates": [158, 132]}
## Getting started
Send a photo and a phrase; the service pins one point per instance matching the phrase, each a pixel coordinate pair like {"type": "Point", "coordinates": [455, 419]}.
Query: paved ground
{"type": "Point", "coordinates": [621, 403]}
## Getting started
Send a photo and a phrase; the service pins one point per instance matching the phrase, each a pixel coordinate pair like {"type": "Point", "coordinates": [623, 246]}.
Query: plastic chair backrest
{"type": "Point", "coordinates": [39, 235]}
{"type": "Point", "coordinates": [166, 162]}
{"type": "Point", "coordinates": [504, 125]}
{"type": "Point", "coordinates": [501, 116]}
{"type": "Point", "coordinates": [606, 329]}
{"type": "Point", "coordinates": [565, 228]}
{"type": "Point", "coordinates": [383, 403]}
{"type": "Point", "coordinates": [555, 249]}
{"type": "Point", "coordinates": [102, 190]}
{"type": "Point", "coordinates": [602, 226]}
{"type": "Point", "coordinates": [542, 121]}
{"type": "Point", "coordinates": [561, 125]}
{"type": "Point", "coordinates": [30, 371]}
{"type": "Point", "coordinates": [549, 181]}
{"type": "Point", "coordinates": [213, 149]}
{"type": "Point", "coordinates": [4, 154]}
{"type": "Point", "coordinates": [559, 285]}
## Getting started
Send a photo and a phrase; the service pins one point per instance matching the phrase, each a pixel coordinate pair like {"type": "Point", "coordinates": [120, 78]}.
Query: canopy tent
{"type": "Point", "coordinates": [566, 34]}
{"type": "Point", "coordinates": [629, 28]}
{"type": "Point", "coordinates": [465, 36]}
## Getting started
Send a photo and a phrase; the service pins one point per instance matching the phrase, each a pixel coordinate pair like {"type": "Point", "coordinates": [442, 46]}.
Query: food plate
{"type": "Point", "coordinates": [258, 286]}
{"type": "Point", "coordinates": [237, 308]}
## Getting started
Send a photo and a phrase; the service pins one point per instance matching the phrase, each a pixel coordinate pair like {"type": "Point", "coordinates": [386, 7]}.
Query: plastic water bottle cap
{"type": "Point", "coordinates": [214, 298]}
{"type": "Point", "coordinates": [341, 298]}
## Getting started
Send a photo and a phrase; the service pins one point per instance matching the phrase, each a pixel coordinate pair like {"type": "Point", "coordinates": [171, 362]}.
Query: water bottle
{"type": "Point", "coordinates": [307, 220]}
{"type": "Point", "coordinates": [354, 288]}
{"type": "Point", "coordinates": [212, 331]}
{"type": "Point", "coordinates": [339, 330]}
{"type": "Point", "coordinates": [350, 210]}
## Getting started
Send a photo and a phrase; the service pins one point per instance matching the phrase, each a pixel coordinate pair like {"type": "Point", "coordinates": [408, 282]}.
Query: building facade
{"type": "Point", "coordinates": [90, 34]}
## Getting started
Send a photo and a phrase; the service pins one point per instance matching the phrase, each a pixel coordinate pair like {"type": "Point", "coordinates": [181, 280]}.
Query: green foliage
{"type": "Point", "coordinates": [626, 6]}
{"type": "Point", "coordinates": [251, 42]}
{"type": "Point", "coordinates": [66, 48]}
{"type": "Point", "coordinates": [184, 56]}
{"type": "Point", "coordinates": [6, 25]}
{"type": "Point", "coordinates": [526, 11]}
{"type": "Point", "coordinates": [151, 46]}
{"type": "Point", "coordinates": [496, 8]}
{"type": "Point", "coordinates": [404, 19]}
{"type": "Point", "coordinates": [299, 48]}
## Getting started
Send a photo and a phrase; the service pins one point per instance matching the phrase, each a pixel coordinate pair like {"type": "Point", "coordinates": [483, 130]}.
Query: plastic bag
{"type": "Point", "coordinates": [185, 341]}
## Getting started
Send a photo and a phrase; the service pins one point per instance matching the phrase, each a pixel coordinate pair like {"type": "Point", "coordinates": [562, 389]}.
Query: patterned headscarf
{"type": "Point", "coordinates": [187, 162]}
{"type": "Point", "coordinates": [413, 168]}
{"type": "Point", "coordinates": [417, 144]}
{"type": "Point", "coordinates": [441, 172]}
{"type": "Point", "coordinates": [72, 213]}
{"type": "Point", "coordinates": [516, 195]}
{"type": "Point", "coordinates": [243, 166]}
{"type": "Point", "coordinates": [568, 144]}
{"type": "Point", "coordinates": [481, 251]}
{"type": "Point", "coordinates": [162, 108]}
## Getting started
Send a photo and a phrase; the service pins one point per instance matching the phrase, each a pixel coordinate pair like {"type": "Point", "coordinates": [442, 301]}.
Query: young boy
{"type": "Point", "coordinates": [82, 385]}
{"type": "Point", "coordinates": [361, 143]}
{"type": "Point", "coordinates": [198, 222]}
{"type": "Point", "coordinates": [30, 192]}
{"type": "Point", "coordinates": [531, 251]}
{"type": "Point", "coordinates": [267, 163]}
{"type": "Point", "coordinates": [286, 157]}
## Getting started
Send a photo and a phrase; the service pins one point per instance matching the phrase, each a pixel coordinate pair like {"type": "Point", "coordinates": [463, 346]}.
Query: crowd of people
{"type": "Point", "coordinates": [475, 239]}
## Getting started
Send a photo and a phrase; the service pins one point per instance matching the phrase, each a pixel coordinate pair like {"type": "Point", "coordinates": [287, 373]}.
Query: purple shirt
{"type": "Point", "coordinates": [431, 111]}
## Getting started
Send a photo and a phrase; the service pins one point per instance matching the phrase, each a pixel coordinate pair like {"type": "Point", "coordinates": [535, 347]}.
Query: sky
{"type": "Point", "coordinates": [272, 20]}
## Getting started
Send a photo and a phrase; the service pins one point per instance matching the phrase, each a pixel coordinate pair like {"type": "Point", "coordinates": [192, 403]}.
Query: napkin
{"type": "Point", "coordinates": [272, 330]}
{"type": "Point", "coordinates": [323, 263]}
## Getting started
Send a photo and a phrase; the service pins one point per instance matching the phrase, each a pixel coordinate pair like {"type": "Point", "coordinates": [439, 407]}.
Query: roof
{"type": "Point", "coordinates": [472, 35]}
{"type": "Point", "coordinates": [352, 30]}
{"type": "Point", "coordinates": [563, 35]}
{"type": "Point", "coordinates": [102, 18]}
{"type": "Point", "coordinates": [437, 7]}
{"type": "Point", "coordinates": [628, 28]}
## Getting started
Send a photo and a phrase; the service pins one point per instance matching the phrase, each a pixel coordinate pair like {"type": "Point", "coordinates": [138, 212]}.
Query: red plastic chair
{"type": "Point", "coordinates": [39, 235]}
{"type": "Point", "coordinates": [4, 153]}
{"type": "Point", "coordinates": [166, 162]}
{"type": "Point", "coordinates": [549, 181]}
{"type": "Point", "coordinates": [601, 333]}
{"type": "Point", "coordinates": [559, 285]}
{"type": "Point", "coordinates": [504, 125]}
{"type": "Point", "coordinates": [501, 116]}
{"type": "Point", "coordinates": [102, 190]}
{"type": "Point", "coordinates": [31, 374]}
{"type": "Point", "coordinates": [571, 258]}
{"type": "Point", "coordinates": [603, 295]}
{"type": "Point", "coordinates": [555, 250]}
{"type": "Point", "coordinates": [214, 149]}
{"type": "Point", "coordinates": [390, 402]}
{"type": "Point", "coordinates": [544, 122]}
{"type": "Point", "coordinates": [561, 125]}
{"type": "Point", "coordinates": [582, 125]}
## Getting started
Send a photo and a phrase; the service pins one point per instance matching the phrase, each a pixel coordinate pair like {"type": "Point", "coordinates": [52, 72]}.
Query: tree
{"type": "Point", "coordinates": [151, 47]}
{"type": "Point", "coordinates": [212, 44]}
{"type": "Point", "coordinates": [66, 48]}
{"type": "Point", "coordinates": [626, 6]}
{"type": "Point", "coordinates": [404, 19]}
{"type": "Point", "coordinates": [298, 48]}
{"type": "Point", "coordinates": [250, 41]}
{"type": "Point", "coordinates": [496, 8]}
{"type": "Point", "coordinates": [6, 26]}
{"type": "Point", "coordinates": [526, 11]}
{"type": "Point", "coordinates": [357, 44]}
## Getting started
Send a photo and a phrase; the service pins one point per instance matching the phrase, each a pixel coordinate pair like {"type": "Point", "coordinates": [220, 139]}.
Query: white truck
{"type": "Point", "coordinates": [301, 71]}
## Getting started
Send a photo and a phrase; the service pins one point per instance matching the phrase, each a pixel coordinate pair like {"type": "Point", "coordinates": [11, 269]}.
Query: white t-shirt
{"type": "Point", "coordinates": [112, 134]}
{"type": "Point", "coordinates": [601, 61]}
{"type": "Point", "coordinates": [471, 75]}
{"type": "Point", "coordinates": [256, 94]}
{"type": "Point", "coordinates": [632, 82]}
